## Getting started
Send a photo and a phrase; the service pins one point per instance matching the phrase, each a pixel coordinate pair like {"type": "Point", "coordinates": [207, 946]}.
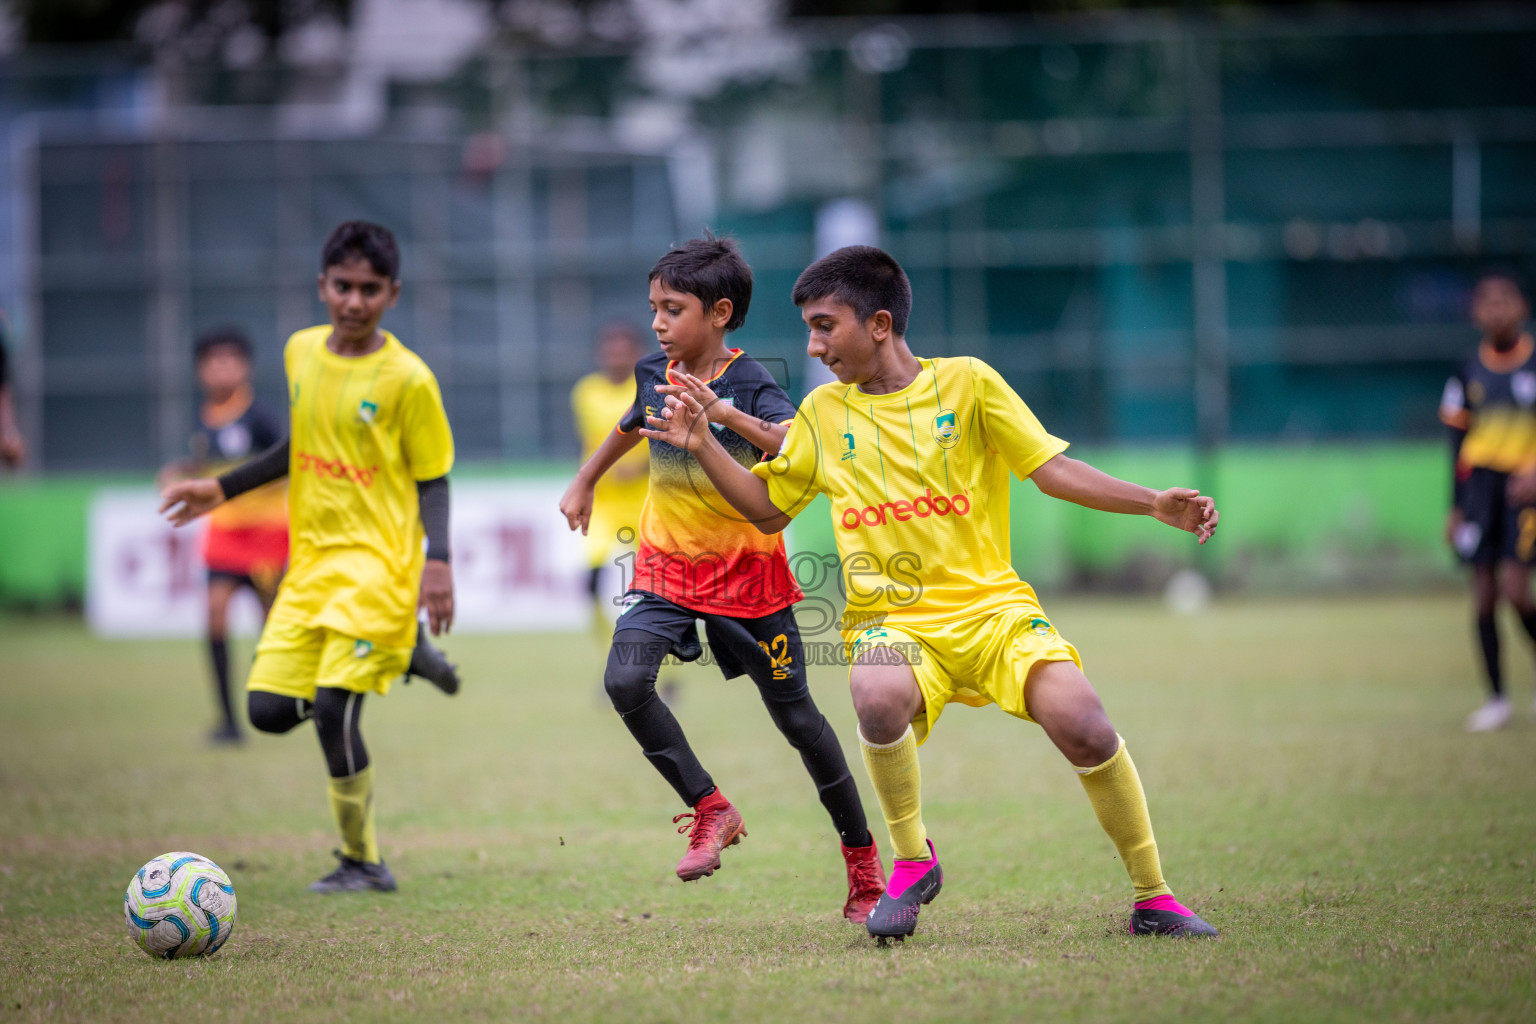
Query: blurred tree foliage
{"type": "Point", "coordinates": [103, 21]}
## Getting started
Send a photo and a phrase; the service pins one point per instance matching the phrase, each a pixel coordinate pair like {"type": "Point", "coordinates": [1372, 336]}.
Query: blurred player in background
{"type": "Point", "coordinates": [598, 401]}
{"type": "Point", "coordinates": [915, 455]}
{"type": "Point", "coordinates": [12, 448]}
{"type": "Point", "coordinates": [367, 457]}
{"type": "Point", "coordinates": [1490, 407]}
{"type": "Point", "coordinates": [246, 542]}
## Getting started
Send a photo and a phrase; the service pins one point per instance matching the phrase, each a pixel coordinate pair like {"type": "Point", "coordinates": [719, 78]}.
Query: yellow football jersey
{"type": "Point", "coordinates": [364, 431]}
{"type": "Point", "coordinates": [918, 481]}
{"type": "Point", "coordinates": [598, 404]}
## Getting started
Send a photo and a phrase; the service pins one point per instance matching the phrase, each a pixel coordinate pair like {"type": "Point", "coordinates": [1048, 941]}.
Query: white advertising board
{"type": "Point", "coordinates": [516, 566]}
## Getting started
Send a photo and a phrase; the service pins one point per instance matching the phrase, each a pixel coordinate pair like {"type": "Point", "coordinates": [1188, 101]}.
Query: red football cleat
{"type": "Point", "coordinates": [866, 881]}
{"type": "Point", "coordinates": [716, 825]}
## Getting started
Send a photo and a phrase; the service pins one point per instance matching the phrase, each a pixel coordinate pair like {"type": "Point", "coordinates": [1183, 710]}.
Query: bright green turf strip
{"type": "Point", "coordinates": [1313, 793]}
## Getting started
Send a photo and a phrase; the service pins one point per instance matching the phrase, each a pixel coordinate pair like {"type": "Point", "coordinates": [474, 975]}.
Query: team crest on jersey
{"type": "Point", "coordinates": [1523, 385]}
{"type": "Point", "coordinates": [1040, 627]}
{"type": "Point", "coordinates": [848, 448]}
{"type": "Point", "coordinates": [362, 649]}
{"type": "Point", "coordinates": [366, 411]}
{"type": "Point", "coordinates": [945, 430]}
{"type": "Point", "coordinates": [723, 401]}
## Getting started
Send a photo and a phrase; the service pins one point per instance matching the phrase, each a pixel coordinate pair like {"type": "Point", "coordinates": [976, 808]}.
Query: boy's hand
{"type": "Point", "coordinates": [1453, 522]}
{"type": "Point", "coordinates": [437, 595]}
{"type": "Point", "coordinates": [1189, 510]}
{"type": "Point", "coordinates": [185, 500]}
{"type": "Point", "coordinates": [576, 505]}
{"type": "Point", "coordinates": [716, 410]}
{"type": "Point", "coordinates": [683, 423]}
{"type": "Point", "coordinates": [1521, 489]}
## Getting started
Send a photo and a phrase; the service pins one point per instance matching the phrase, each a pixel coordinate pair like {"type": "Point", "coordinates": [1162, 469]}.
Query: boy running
{"type": "Point", "coordinates": [697, 560]}
{"type": "Point", "coordinates": [1490, 407]}
{"type": "Point", "coordinates": [914, 455]}
{"type": "Point", "coordinates": [246, 542]}
{"type": "Point", "coordinates": [367, 459]}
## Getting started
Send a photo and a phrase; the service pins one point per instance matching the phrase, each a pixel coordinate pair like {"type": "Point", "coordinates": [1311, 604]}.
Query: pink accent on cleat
{"type": "Point", "coordinates": [906, 872]}
{"type": "Point", "coordinates": [1162, 903]}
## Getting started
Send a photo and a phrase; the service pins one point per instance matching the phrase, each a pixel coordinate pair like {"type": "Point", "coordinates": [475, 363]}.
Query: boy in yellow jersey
{"type": "Point", "coordinates": [367, 459]}
{"type": "Point", "coordinates": [914, 455]}
{"type": "Point", "coordinates": [1490, 407]}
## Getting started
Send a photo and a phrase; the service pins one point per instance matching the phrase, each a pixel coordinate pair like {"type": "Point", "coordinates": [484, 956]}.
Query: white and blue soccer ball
{"type": "Point", "coordinates": [179, 905]}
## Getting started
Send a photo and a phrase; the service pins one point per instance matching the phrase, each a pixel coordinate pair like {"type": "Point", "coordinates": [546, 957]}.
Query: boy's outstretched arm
{"type": "Point", "coordinates": [685, 424]}
{"type": "Point", "coordinates": [185, 500]}
{"type": "Point", "coordinates": [1078, 482]}
{"type": "Point", "coordinates": [576, 503]}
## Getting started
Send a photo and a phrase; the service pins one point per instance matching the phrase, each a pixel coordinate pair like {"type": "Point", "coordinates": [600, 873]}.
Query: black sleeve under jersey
{"type": "Point", "coordinates": [270, 465]}
{"type": "Point", "coordinates": [432, 498]}
{"type": "Point", "coordinates": [644, 370]}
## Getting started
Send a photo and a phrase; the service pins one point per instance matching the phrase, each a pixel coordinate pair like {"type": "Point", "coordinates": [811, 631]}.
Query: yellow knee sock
{"type": "Point", "coordinates": [1115, 791]}
{"type": "Point", "coordinates": [352, 805]}
{"type": "Point", "coordinates": [898, 782]}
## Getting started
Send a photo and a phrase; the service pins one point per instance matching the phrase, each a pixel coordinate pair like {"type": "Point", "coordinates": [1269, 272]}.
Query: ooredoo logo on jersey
{"type": "Point", "coordinates": [921, 507]}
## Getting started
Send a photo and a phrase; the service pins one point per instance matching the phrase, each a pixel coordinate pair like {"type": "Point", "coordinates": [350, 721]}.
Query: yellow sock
{"type": "Point", "coordinates": [1115, 791]}
{"type": "Point", "coordinates": [898, 782]}
{"type": "Point", "coordinates": [352, 805]}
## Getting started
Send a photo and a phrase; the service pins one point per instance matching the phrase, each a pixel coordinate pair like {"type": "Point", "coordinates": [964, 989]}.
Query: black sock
{"type": "Point", "coordinates": [661, 739]}
{"type": "Point", "coordinates": [1528, 620]}
{"type": "Point", "coordinates": [1488, 634]}
{"type": "Point", "coordinates": [630, 682]}
{"type": "Point", "coordinates": [218, 653]}
{"type": "Point", "coordinates": [809, 732]}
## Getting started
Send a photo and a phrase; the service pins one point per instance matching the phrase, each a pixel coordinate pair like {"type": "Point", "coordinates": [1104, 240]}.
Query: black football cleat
{"type": "Point", "coordinates": [355, 876]}
{"type": "Point", "coordinates": [913, 884]}
{"type": "Point", "coordinates": [432, 665]}
{"type": "Point", "coordinates": [1170, 917]}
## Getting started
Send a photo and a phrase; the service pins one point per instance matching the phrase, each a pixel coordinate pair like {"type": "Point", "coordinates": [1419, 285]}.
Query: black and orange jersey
{"type": "Point", "coordinates": [225, 436]}
{"type": "Point", "coordinates": [695, 550]}
{"type": "Point", "coordinates": [1493, 399]}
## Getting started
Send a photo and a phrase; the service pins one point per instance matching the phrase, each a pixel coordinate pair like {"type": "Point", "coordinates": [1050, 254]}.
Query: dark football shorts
{"type": "Point", "coordinates": [768, 648]}
{"type": "Point", "coordinates": [1492, 529]}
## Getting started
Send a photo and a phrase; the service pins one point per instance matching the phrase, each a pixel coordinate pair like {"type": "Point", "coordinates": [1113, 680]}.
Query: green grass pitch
{"type": "Point", "coordinates": [1313, 794]}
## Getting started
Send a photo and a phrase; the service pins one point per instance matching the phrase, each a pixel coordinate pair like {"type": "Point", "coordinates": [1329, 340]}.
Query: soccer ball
{"type": "Point", "coordinates": [180, 904]}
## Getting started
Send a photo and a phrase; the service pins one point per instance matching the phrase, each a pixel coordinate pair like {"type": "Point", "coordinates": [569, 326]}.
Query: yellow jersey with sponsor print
{"type": "Point", "coordinates": [598, 404]}
{"type": "Point", "coordinates": [363, 431]}
{"type": "Point", "coordinates": [918, 481]}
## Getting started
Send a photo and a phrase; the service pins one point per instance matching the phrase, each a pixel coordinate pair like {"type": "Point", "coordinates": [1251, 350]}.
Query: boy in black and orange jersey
{"type": "Point", "coordinates": [246, 542]}
{"type": "Point", "coordinates": [697, 560]}
{"type": "Point", "coordinates": [915, 455]}
{"type": "Point", "coordinates": [1490, 407]}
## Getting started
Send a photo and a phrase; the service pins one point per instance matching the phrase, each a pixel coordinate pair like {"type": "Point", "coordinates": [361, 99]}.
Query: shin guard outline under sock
{"type": "Point", "coordinates": [1114, 790]}
{"type": "Point", "coordinates": [898, 782]}
{"type": "Point", "coordinates": [352, 806]}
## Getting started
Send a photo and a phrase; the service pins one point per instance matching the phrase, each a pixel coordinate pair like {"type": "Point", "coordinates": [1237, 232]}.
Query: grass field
{"type": "Point", "coordinates": [1313, 793]}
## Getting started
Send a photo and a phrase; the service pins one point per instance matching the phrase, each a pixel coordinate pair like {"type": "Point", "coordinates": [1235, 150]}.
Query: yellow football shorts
{"type": "Point", "coordinates": [292, 660]}
{"type": "Point", "coordinates": [980, 660]}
